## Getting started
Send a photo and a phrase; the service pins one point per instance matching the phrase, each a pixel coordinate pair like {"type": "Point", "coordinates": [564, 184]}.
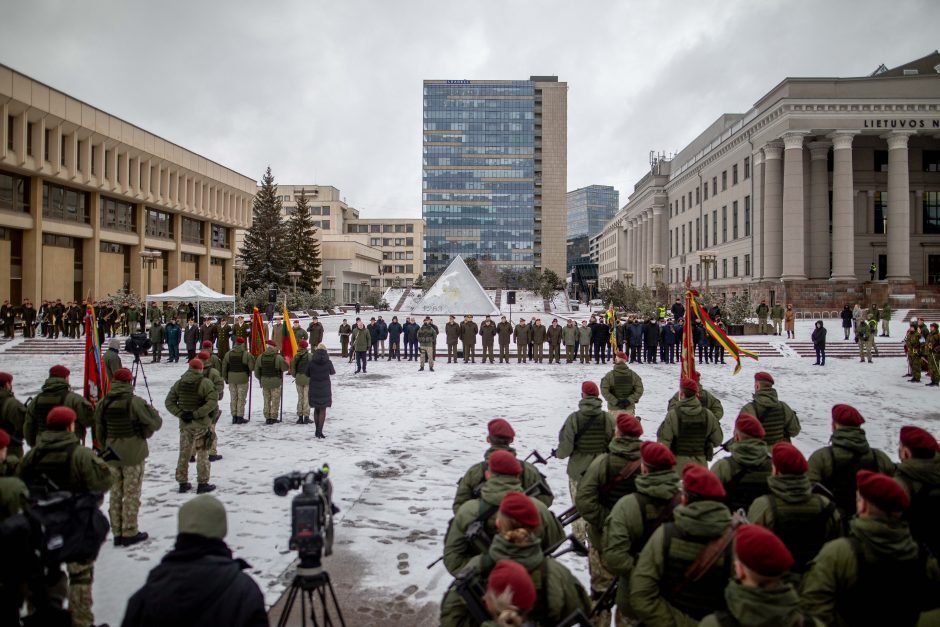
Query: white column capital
{"type": "Point", "coordinates": [773, 150]}
{"type": "Point", "coordinates": [842, 140]}
{"type": "Point", "coordinates": [794, 140]}
{"type": "Point", "coordinates": [898, 139]}
{"type": "Point", "coordinates": [819, 150]}
{"type": "Point", "coordinates": [758, 158]}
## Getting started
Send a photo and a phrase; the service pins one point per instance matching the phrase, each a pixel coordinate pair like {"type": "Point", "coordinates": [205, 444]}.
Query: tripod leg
{"type": "Point", "coordinates": [288, 606]}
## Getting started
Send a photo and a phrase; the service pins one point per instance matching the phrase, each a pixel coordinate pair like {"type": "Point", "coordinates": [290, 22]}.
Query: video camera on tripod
{"type": "Point", "coordinates": [138, 344]}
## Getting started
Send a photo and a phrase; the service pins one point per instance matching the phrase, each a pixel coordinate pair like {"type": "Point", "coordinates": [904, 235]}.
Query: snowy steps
{"type": "Point", "coordinates": [46, 346]}
{"type": "Point", "coordinates": [842, 349]}
{"type": "Point", "coordinates": [930, 315]}
{"type": "Point", "coordinates": [404, 296]}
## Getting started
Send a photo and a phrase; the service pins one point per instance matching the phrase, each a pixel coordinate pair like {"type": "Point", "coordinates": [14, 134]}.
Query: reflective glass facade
{"type": "Point", "coordinates": [590, 208]}
{"type": "Point", "coordinates": [478, 180]}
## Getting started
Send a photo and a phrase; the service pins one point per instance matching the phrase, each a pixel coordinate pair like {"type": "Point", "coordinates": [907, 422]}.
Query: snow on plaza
{"type": "Point", "coordinates": [398, 440]}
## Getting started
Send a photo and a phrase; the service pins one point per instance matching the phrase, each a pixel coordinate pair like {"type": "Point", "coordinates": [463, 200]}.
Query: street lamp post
{"type": "Point", "coordinates": [657, 270]}
{"type": "Point", "coordinates": [707, 258]}
{"type": "Point", "coordinates": [329, 281]}
{"type": "Point", "coordinates": [629, 277]}
{"type": "Point", "coordinates": [293, 278]}
{"type": "Point", "coordinates": [148, 260]}
{"type": "Point", "coordinates": [240, 270]}
{"type": "Point", "coordinates": [591, 283]}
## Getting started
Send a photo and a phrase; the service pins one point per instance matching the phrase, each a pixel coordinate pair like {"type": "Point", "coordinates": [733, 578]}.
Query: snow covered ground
{"type": "Point", "coordinates": [398, 441]}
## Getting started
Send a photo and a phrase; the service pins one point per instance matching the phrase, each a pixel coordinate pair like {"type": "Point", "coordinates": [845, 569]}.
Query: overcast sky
{"type": "Point", "coordinates": [330, 92]}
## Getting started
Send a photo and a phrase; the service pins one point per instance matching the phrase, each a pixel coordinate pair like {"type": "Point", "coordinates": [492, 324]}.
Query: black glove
{"type": "Point", "coordinates": [622, 404]}
{"type": "Point", "coordinates": [187, 416]}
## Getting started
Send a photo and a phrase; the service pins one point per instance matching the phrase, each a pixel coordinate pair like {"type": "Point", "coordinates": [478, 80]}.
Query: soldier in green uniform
{"type": "Point", "coordinates": [214, 374]}
{"type": "Point", "coordinates": [521, 334]}
{"type": "Point", "coordinates": [919, 474]}
{"type": "Point", "coordinates": [452, 335]}
{"type": "Point", "coordinates": [500, 436]}
{"type": "Point", "coordinates": [237, 366]}
{"type": "Point", "coordinates": [932, 353]}
{"type": "Point", "coordinates": [886, 320]}
{"type": "Point", "coordinates": [468, 335]}
{"type": "Point", "coordinates": [59, 457]}
{"type": "Point", "coordinates": [876, 575]}
{"type": "Point", "coordinates": [132, 317]}
{"type": "Point", "coordinates": [690, 430]}
{"type": "Point", "coordinates": [835, 466]}
{"type": "Point", "coordinates": [914, 345]}
{"type": "Point", "coordinates": [636, 516]}
{"type": "Point", "coordinates": [299, 333]}
{"type": "Point", "coordinates": [112, 358]}
{"type": "Point", "coordinates": [361, 343]}
{"type": "Point", "coordinates": [12, 415]}
{"type": "Point", "coordinates": [123, 424]}
{"type": "Point", "coordinates": [759, 593]}
{"type": "Point", "coordinates": [224, 342]}
{"type": "Point", "coordinates": [56, 391]}
{"type": "Point", "coordinates": [154, 314]}
{"type": "Point", "coordinates": [745, 473]}
{"type": "Point", "coordinates": [762, 311]}
{"type": "Point", "coordinates": [863, 338]}
{"type": "Point", "coordinates": [194, 401]}
{"type": "Point", "coordinates": [157, 337]}
{"type": "Point", "coordinates": [776, 314]}
{"type": "Point", "coordinates": [584, 342]}
{"type": "Point", "coordinates": [315, 332]}
{"type": "Point", "coordinates": [344, 332]}
{"type": "Point", "coordinates": [538, 336]}
{"type": "Point", "coordinates": [780, 422]}
{"type": "Point", "coordinates": [569, 335]}
{"type": "Point", "coordinates": [519, 535]}
{"type": "Point", "coordinates": [9, 464]}
{"type": "Point", "coordinates": [427, 343]}
{"type": "Point", "coordinates": [240, 328]}
{"type": "Point", "coordinates": [487, 336]}
{"type": "Point", "coordinates": [298, 366]}
{"type": "Point", "coordinates": [554, 342]}
{"type": "Point", "coordinates": [460, 546]}
{"type": "Point", "coordinates": [270, 367]}
{"type": "Point", "coordinates": [586, 434]}
{"type": "Point", "coordinates": [213, 360]}
{"type": "Point", "coordinates": [706, 398]}
{"type": "Point", "coordinates": [505, 332]}
{"type": "Point", "coordinates": [609, 477]}
{"type": "Point", "coordinates": [802, 519]}
{"type": "Point", "coordinates": [660, 594]}
{"type": "Point", "coordinates": [622, 387]}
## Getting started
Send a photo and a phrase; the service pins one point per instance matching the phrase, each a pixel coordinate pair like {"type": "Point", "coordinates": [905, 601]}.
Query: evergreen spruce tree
{"type": "Point", "coordinates": [264, 251]}
{"type": "Point", "coordinates": [302, 249]}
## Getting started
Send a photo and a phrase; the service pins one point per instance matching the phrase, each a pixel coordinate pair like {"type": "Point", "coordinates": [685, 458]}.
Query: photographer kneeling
{"type": "Point", "coordinates": [198, 582]}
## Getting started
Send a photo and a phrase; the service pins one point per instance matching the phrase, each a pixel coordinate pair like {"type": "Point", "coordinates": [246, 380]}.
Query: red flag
{"type": "Point", "coordinates": [96, 382]}
{"type": "Point", "coordinates": [258, 336]}
{"type": "Point", "coordinates": [687, 358]}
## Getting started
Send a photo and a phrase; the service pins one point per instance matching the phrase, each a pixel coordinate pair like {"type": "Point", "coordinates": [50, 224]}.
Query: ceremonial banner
{"type": "Point", "coordinates": [258, 336]}
{"type": "Point", "coordinates": [687, 359]}
{"type": "Point", "coordinates": [96, 382]}
{"type": "Point", "coordinates": [288, 341]}
{"type": "Point", "coordinates": [723, 340]}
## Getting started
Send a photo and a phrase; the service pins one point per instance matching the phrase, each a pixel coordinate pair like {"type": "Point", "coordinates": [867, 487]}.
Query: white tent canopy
{"type": "Point", "coordinates": [192, 291]}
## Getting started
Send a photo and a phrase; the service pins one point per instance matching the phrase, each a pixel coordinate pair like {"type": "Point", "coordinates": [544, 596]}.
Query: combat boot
{"type": "Point", "coordinates": [185, 487]}
{"type": "Point", "coordinates": [202, 488]}
{"type": "Point", "coordinates": [214, 458]}
{"type": "Point", "coordinates": [301, 420]}
{"type": "Point", "coordinates": [132, 540]}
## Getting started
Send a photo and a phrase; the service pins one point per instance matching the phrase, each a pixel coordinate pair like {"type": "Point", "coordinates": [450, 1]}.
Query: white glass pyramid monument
{"type": "Point", "coordinates": [457, 292]}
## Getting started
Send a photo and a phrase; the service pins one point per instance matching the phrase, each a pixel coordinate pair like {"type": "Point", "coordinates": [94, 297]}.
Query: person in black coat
{"type": "Point", "coordinates": [320, 393]}
{"type": "Point", "coordinates": [191, 339]}
{"type": "Point", "coordinates": [677, 310]}
{"type": "Point", "coordinates": [198, 583]}
{"type": "Point", "coordinates": [394, 339]}
{"type": "Point", "coordinates": [600, 335]}
{"type": "Point", "coordinates": [410, 330]}
{"type": "Point", "coordinates": [847, 320]}
{"type": "Point", "coordinates": [698, 337]}
{"type": "Point", "coordinates": [819, 342]}
{"type": "Point", "coordinates": [651, 339]}
{"type": "Point", "coordinates": [636, 341]}
{"type": "Point", "coordinates": [667, 334]}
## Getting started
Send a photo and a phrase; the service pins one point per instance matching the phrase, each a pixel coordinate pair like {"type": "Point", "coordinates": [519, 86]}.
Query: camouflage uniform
{"type": "Point", "coordinates": [269, 368]}
{"type": "Point", "coordinates": [913, 345]}
{"type": "Point", "coordinates": [211, 371]}
{"type": "Point", "coordinates": [236, 368]}
{"type": "Point", "coordinates": [622, 388]}
{"type": "Point", "coordinates": [427, 342]}
{"type": "Point", "coordinates": [196, 394]}
{"type": "Point", "coordinates": [932, 353]}
{"type": "Point", "coordinates": [864, 339]}
{"type": "Point", "coordinates": [298, 366]}
{"type": "Point", "coordinates": [12, 419]}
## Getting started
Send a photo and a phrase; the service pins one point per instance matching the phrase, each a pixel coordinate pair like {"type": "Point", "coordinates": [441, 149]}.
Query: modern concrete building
{"type": "Point", "coordinates": [495, 172]}
{"type": "Point", "coordinates": [401, 242]}
{"type": "Point", "coordinates": [797, 198]}
{"type": "Point", "coordinates": [589, 209]}
{"type": "Point", "coordinates": [83, 193]}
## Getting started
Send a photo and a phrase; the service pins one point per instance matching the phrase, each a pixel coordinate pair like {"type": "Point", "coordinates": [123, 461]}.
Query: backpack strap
{"type": "Point", "coordinates": [626, 472]}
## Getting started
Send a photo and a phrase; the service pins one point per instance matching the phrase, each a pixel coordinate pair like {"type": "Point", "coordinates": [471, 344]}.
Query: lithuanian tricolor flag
{"type": "Point", "coordinates": [723, 340]}
{"type": "Point", "coordinates": [288, 341]}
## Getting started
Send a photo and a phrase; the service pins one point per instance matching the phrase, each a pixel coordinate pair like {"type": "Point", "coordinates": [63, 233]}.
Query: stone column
{"type": "Point", "coordinates": [899, 208]}
{"type": "Point", "coordinates": [757, 212]}
{"type": "Point", "coordinates": [645, 259]}
{"type": "Point", "coordinates": [843, 208]}
{"type": "Point", "coordinates": [32, 246]}
{"type": "Point", "coordinates": [819, 211]}
{"type": "Point", "coordinates": [631, 245]}
{"type": "Point", "coordinates": [773, 210]}
{"type": "Point", "coordinates": [794, 227]}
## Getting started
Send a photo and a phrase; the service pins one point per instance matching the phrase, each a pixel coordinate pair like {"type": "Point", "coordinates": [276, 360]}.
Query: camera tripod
{"type": "Point", "coordinates": [139, 367]}
{"type": "Point", "coordinates": [313, 584]}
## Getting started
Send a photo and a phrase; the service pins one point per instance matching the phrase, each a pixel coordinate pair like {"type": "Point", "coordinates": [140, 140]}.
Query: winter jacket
{"type": "Point", "coordinates": [468, 332]}
{"type": "Point", "coordinates": [762, 311]}
{"type": "Point", "coordinates": [709, 401]}
{"type": "Point", "coordinates": [191, 336]}
{"type": "Point", "coordinates": [410, 329]}
{"type": "Point", "coordinates": [381, 329]}
{"type": "Point", "coordinates": [156, 336]}
{"type": "Point", "coordinates": [569, 335]}
{"type": "Point", "coordinates": [819, 337]}
{"type": "Point", "coordinates": [488, 332]}
{"type": "Point", "coordinates": [776, 416]}
{"type": "Point", "coordinates": [538, 334]}
{"type": "Point", "coordinates": [475, 476]}
{"type": "Point", "coordinates": [112, 362]}
{"type": "Point", "coordinates": [593, 500]}
{"type": "Point", "coordinates": [668, 334]}
{"type": "Point", "coordinates": [394, 333]}
{"type": "Point", "coordinates": [505, 331]}
{"type": "Point", "coordinates": [197, 584]}
{"type": "Point", "coordinates": [835, 466]}
{"type": "Point", "coordinates": [126, 438]}
{"type": "Point", "coordinates": [361, 339]}
{"type": "Point", "coordinates": [846, 317]}
{"type": "Point", "coordinates": [522, 334]}
{"type": "Point", "coordinates": [318, 371]}
{"type": "Point", "coordinates": [315, 332]}
{"type": "Point", "coordinates": [298, 366]}
{"type": "Point", "coordinates": [636, 335]}
{"type": "Point", "coordinates": [651, 334]}
{"type": "Point", "coordinates": [585, 435]}
{"type": "Point", "coordinates": [237, 354]}
{"type": "Point", "coordinates": [57, 388]}
{"type": "Point", "coordinates": [691, 432]}
{"type": "Point", "coordinates": [678, 310]}
{"type": "Point", "coordinates": [584, 335]}
{"type": "Point", "coordinates": [622, 388]}
{"type": "Point", "coordinates": [174, 334]}
{"type": "Point", "coordinates": [601, 333]}
{"type": "Point", "coordinates": [427, 336]}
{"type": "Point", "coordinates": [761, 607]}
{"type": "Point", "coordinates": [452, 332]}
{"type": "Point", "coordinates": [202, 402]}
{"type": "Point", "coordinates": [12, 420]}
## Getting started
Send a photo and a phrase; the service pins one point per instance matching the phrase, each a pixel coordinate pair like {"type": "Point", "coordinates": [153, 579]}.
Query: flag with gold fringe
{"type": "Point", "coordinates": [687, 357]}
{"type": "Point", "coordinates": [288, 341]}
{"type": "Point", "coordinates": [719, 336]}
{"type": "Point", "coordinates": [259, 336]}
{"type": "Point", "coordinates": [612, 323]}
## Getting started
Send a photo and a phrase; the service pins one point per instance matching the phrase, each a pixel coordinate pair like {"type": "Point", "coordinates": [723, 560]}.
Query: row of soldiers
{"type": "Point", "coordinates": [763, 537]}
{"type": "Point", "coordinates": [923, 351]}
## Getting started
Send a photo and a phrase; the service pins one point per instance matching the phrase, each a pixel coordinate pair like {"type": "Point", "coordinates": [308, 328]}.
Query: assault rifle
{"type": "Point", "coordinates": [569, 516]}
{"type": "Point", "coordinates": [607, 600]}
{"type": "Point", "coordinates": [538, 457]}
{"type": "Point", "coordinates": [577, 619]}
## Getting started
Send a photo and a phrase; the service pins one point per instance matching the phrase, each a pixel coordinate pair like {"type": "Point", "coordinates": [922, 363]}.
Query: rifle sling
{"type": "Point", "coordinates": [626, 472]}
{"type": "Point", "coordinates": [705, 559]}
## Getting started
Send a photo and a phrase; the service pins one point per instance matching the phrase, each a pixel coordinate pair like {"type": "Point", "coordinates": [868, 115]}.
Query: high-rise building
{"type": "Point", "coordinates": [589, 209]}
{"type": "Point", "coordinates": [495, 172]}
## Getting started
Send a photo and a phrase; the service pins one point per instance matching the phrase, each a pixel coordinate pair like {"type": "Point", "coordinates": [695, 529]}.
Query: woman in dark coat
{"type": "Point", "coordinates": [320, 393]}
{"type": "Point", "coordinates": [819, 343]}
{"type": "Point", "coordinates": [847, 322]}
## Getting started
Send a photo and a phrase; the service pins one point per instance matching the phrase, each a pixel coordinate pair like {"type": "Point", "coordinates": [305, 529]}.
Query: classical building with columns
{"type": "Point", "coordinates": [798, 199]}
{"type": "Point", "coordinates": [84, 193]}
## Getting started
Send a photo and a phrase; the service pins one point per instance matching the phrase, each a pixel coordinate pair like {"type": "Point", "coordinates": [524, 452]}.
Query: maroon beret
{"type": "Point", "coordinates": [197, 364]}
{"type": "Point", "coordinates": [700, 481]}
{"type": "Point", "coordinates": [762, 551]}
{"type": "Point", "coordinates": [621, 355]}
{"type": "Point", "coordinates": [881, 490]}
{"type": "Point", "coordinates": [520, 508]}
{"type": "Point", "coordinates": [627, 424]}
{"type": "Point", "coordinates": [512, 576]}
{"type": "Point", "coordinates": [203, 355]}
{"type": "Point", "coordinates": [764, 376]}
{"type": "Point", "coordinates": [60, 415]}
{"type": "Point", "coordinates": [656, 455]}
{"type": "Point", "coordinates": [239, 340]}
{"type": "Point", "coordinates": [123, 374]}
{"type": "Point", "coordinates": [5, 377]}
{"type": "Point", "coordinates": [749, 426]}
{"type": "Point", "coordinates": [788, 460]}
{"type": "Point", "coordinates": [59, 371]}
{"type": "Point", "coordinates": [846, 415]}
{"type": "Point", "coordinates": [206, 344]}
{"type": "Point", "coordinates": [917, 438]}
{"type": "Point", "coordinates": [590, 388]}
{"type": "Point", "coordinates": [4, 439]}
{"type": "Point", "coordinates": [272, 343]}
{"type": "Point", "coordinates": [504, 463]}
{"type": "Point", "coordinates": [303, 344]}
{"type": "Point", "coordinates": [499, 428]}
{"type": "Point", "coordinates": [688, 385]}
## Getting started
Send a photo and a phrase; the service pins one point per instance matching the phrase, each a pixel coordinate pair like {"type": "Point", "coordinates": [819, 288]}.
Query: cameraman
{"type": "Point", "coordinates": [194, 401]}
{"type": "Point", "coordinates": [198, 582]}
{"type": "Point", "coordinates": [123, 423]}
{"type": "Point", "coordinates": [59, 458]}
{"type": "Point", "coordinates": [112, 361]}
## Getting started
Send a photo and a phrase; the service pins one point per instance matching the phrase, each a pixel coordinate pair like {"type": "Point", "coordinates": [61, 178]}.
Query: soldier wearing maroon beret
{"type": "Point", "coordinates": [690, 430]}
{"type": "Point", "coordinates": [636, 516]}
{"type": "Point", "coordinates": [12, 415]}
{"type": "Point", "coordinates": [659, 592]}
{"type": "Point", "coordinates": [919, 473]}
{"type": "Point", "coordinates": [835, 466]}
{"type": "Point", "coordinates": [780, 421]}
{"type": "Point", "coordinates": [56, 391]}
{"type": "Point", "coordinates": [708, 400]}
{"type": "Point", "coordinates": [877, 575]}
{"type": "Point", "coordinates": [499, 436]}
{"type": "Point", "coordinates": [745, 473]}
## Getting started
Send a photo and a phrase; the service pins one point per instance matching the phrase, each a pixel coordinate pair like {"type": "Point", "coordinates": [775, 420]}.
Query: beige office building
{"type": "Point", "coordinates": [401, 242]}
{"type": "Point", "coordinates": [797, 200]}
{"type": "Point", "coordinates": [83, 193]}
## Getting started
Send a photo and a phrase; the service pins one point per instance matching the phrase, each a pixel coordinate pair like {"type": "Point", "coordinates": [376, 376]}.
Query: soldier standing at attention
{"type": "Point", "coordinates": [745, 473]}
{"type": "Point", "coordinates": [270, 367]}
{"type": "Point", "coordinates": [538, 336]}
{"type": "Point", "coordinates": [919, 474]}
{"type": "Point", "coordinates": [173, 333]}
{"type": "Point", "coordinates": [298, 368]}
{"type": "Point", "coordinates": [932, 353]}
{"type": "Point", "coordinates": [913, 345]}
{"type": "Point", "coordinates": [780, 422]}
{"type": "Point", "coordinates": [622, 388]}
{"type": "Point", "coordinates": [777, 314]}
{"type": "Point", "coordinates": [361, 342]}
{"type": "Point", "coordinates": [315, 331]}
{"type": "Point", "coordinates": [584, 342]}
{"type": "Point", "coordinates": [123, 424]}
{"type": "Point", "coordinates": [59, 457]}
{"type": "Point", "coordinates": [236, 366]}
{"type": "Point", "coordinates": [554, 342]}
{"type": "Point", "coordinates": [194, 401]}
{"type": "Point", "coordinates": [214, 375]}
{"type": "Point", "coordinates": [56, 391]}
{"type": "Point", "coordinates": [835, 466]}
{"type": "Point", "coordinates": [452, 334]}
{"type": "Point", "coordinates": [468, 335]}
{"type": "Point", "coordinates": [762, 312]}
{"type": "Point", "coordinates": [241, 328]}
{"type": "Point", "coordinates": [708, 400]}
{"type": "Point", "coordinates": [690, 431]}
{"type": "Point", "coordinates": [299, 333]}
{"type": "Point", "coordinates": [224, 343]}
{"type": "Point", "coordinates": [12, 414]}
{"type": "Point", "coordinates": [488, 335]}
{"type": "Point", "coordinates": [521, 336]}
{"type": "Point", "coordinates": [850, 580]}
{"type": "Point", "coordinates": [344, 332]}
{"type": "Point", "coordinates": [569, 335]}
{"type": "Point", "coordinates": [427, 342]}
{"type": "Point", "coordinates": [156, 339]}
{"type": "Point", "coordinates": [505, 332]}
{"type": "Point", "coordinates": [886, 320]}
